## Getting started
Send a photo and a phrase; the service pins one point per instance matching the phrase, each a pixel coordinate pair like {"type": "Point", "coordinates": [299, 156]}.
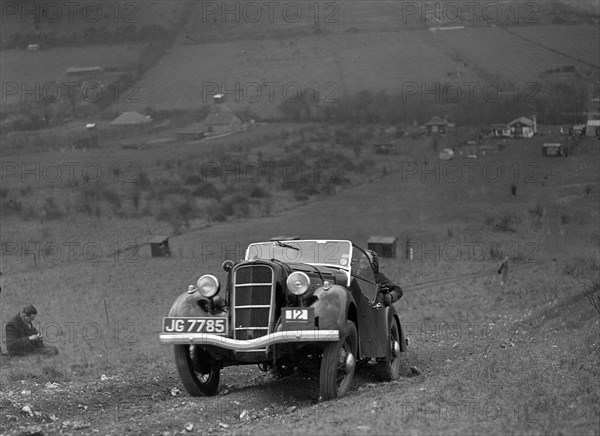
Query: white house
{"type": "Point", "coordinates": [523, 127]}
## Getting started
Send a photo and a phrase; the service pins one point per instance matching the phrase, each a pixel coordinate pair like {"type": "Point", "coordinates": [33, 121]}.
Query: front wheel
{"type": "Point", "coordinates": [199, 373]}
{"type": "Point", "coordinates": [338, 364]}
{"type": "Point", "coordinates": [389, 368]}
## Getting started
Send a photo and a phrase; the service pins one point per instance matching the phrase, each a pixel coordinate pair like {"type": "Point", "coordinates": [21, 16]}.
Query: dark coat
{"type": "Point", "coordinates": [17, 337]}
{"type": "Point", "coordinates": [387, 286]}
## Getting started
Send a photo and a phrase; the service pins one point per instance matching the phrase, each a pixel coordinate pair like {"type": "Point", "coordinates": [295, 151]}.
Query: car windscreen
{"type": "Point", "coordinates": [336, 253]}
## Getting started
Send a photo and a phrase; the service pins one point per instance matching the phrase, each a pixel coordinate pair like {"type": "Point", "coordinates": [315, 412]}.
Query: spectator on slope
{"type": "Point", "coordinates": [23, 339]}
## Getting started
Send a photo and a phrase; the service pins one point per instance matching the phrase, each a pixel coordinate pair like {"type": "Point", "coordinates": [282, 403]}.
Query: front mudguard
{"type": "Point", "coordinates": [392, 316]}
{"type": "Point", "coordinates": [332, 307]}
{"type": "Point", "coordinates": [195, 305]}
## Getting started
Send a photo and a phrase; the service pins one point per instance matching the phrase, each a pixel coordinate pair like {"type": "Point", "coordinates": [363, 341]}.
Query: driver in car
{"type": "Point", "coordinates": [391, 291]}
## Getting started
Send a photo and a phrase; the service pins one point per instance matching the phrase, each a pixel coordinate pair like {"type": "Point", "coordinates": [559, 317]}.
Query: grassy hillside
{"type": "Point", "coordinates": [262, 74]}
{"type": "Point", "coordinates": [382, 46]}
{"type": "Point", "coordinates": [518, 357]}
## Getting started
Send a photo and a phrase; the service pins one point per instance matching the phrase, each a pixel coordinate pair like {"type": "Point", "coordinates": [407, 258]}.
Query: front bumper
{"type": "Point", "coordinates": [285, 337]}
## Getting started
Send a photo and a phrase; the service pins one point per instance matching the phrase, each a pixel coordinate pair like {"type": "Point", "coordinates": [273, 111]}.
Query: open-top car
{"type": "Point", "coordinates": [306, 304]}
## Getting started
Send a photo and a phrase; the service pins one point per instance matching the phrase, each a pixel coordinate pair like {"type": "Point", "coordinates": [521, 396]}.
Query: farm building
{"type": "Point", "coordinates": [191, 133]}
{"type": "Point", "coordinates": [500, 130]}
{"type": "Point", "coordinates": [552, 149]}
{"type": "Point", "coordinates": [592, 128]}
{"type": "Point", "coordinates": [385, 246]}
{"type": "Point", "coordinates": [221, 119]}
{"type": "Point", "coordinates": [436, 125]}
{"type": "Point", "coordinates": [218, 123]}
{"type": "Point", "coordinates": [523, 127]}
{"type": "Point", "coordinates": [131, 119]}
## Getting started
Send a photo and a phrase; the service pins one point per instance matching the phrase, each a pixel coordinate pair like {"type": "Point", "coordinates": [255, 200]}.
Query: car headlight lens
{"type": "Point", "coordinates": [298, 283]}
{"type": "Point", "coordinates": [208, 285]}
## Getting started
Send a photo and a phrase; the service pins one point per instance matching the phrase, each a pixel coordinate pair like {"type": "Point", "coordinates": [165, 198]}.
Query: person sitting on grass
{"type": "Point", "coordinates": [391, 291]}
{"type": "Point", "coordinates": [23, 339]}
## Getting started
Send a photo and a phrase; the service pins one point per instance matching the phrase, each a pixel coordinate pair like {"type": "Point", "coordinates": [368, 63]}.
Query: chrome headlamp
{"type": "Point", "coordinates": [298, 283]}
{"type": "Point", "coordinates": [208, 285]}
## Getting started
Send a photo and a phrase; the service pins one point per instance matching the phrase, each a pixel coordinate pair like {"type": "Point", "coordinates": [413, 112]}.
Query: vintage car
{"type": "Point", "coordinates": [313, 305]}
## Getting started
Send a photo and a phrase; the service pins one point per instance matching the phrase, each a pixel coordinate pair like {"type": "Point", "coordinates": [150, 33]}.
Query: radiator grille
{"type": "Point", "coordinates": [253, 300]}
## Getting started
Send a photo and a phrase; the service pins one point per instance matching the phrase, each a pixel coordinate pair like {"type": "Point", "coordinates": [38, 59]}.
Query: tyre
{"type": "Point", "coordinates": [199, 373]}
{"type": "Point", "coordinates": [389, 368]}
{"type": "Point", "coordinates": [338, 364]}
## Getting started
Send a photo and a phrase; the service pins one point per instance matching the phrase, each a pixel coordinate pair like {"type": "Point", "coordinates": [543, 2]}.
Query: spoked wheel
{"type": "Point", "coordinates": [389, 368]}
{"type": "Point", "coordinates": [199, 373]}
{"type": "Point", "coordinates": [338, 364]}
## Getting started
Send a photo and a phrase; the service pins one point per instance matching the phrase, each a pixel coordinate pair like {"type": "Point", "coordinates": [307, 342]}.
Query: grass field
{"type": "Point", "coordinates": [262, 73]}
{"type": "Point", "coordinates": [578, 41]}
{"type": "Point", "coordinates": [521, 61]}
{"type": "Point", "coordinates": [29, 76]}
{"type": "Point", "coordinates": [267, 72]}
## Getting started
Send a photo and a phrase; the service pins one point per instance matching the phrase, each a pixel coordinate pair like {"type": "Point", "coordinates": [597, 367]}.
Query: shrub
{"type": "Point", "coordinates": [259, 192]}
{"type": "Point", "coordinates": [206, 190]}
{"type": "Point", "coordinates": [537, 212]}
{"type": "Point", "coordinates": [142, 180]}
{"type": "Point", "coordinates": [193, 179]}
{"type": "Point", "coordinates": [10, 206]}
{"type": "Point", "coordinates": [51, 210]}
{"type": "Point", "coordinates": [238, 205]}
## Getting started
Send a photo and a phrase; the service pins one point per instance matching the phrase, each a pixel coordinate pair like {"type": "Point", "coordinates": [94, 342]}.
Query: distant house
{"type": "Point", "coordinates": [447, 154]}
{"type": "Point", "coordinates": [523, 127]}
{"type": "Point", "coordinates": [33, 47]}
{"type": "Point", "coordinates": [436, 125]}
{"type": "Point", "coordinates": [191, 133]}
{"type": "Point", "coordinates": [578, 129]}
{"type": "Point", "coordinates": [131, 119]}
{"type": "Point", "coordinates": [592, 128]}
{"type": "Point", "coordinates": [500, 130]}
{"type": "Point", "coordinates": [217, 123]}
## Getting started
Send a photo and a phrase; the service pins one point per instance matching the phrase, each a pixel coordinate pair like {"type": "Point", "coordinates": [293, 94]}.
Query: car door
{"type": "Point", "coordinates": [372, 320]}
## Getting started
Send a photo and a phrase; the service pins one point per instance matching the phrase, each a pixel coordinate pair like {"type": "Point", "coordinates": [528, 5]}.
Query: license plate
{"type": "Point", "coordinates": [216, 326]}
